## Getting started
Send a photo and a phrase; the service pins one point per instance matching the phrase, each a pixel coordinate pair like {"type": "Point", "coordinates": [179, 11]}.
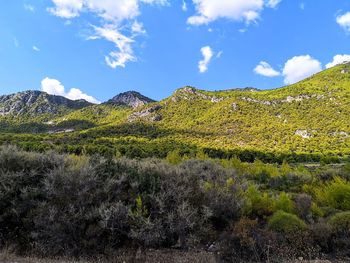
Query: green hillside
{"type": "Point", "coordinates": [305, 121]}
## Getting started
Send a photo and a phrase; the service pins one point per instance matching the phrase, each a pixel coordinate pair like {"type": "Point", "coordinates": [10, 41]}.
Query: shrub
{"type": "Point", "coordinates": [335, 194]}
{"type": "Point", "coordinates": [321, 234]}
{"type": "Point", "coordinates": [303, 203]}
{"type": "Point", "coordinates": [286, 223]}
{"type": "Point", "coordinates": [174, 157]}
{"type": "Point", "coordinates": [284, 203]}
{"type": "Point", "coordinates": [341, 222]}
{"type": "Point", "coordinates": [258, 204]}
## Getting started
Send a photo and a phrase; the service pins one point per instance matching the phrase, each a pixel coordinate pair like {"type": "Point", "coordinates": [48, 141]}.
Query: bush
{"type": "Point", "coordinates": [335, 194]}
{"type": "Point", "coordinates": [321, 234]}
{"type": "Point", "coordinates": [258, 204]}
{"type": "Point", "coordinates": [341, 222]}
{"type": "Point", "coordinates": [286, 223]}
{"type": "Point", "coordinates": [284, 203]}
{"type": "Point", "coordinates": [67, 205]}
{"type": "Point", "coordinates": [303, 203]}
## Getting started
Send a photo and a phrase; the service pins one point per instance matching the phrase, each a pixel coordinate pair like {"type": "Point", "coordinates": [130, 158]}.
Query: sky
{"type": "Point", "coordinates": [95, 49]}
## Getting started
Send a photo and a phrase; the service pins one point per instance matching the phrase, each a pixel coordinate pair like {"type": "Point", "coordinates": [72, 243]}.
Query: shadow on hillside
{"type": "Point", "coordinates": [39, 127]}
{"type": "Point", "coordinates": [145, 130]}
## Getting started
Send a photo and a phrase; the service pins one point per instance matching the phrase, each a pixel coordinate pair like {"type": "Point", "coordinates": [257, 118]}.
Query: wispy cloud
{"type": "Point", "coordinates": [184, 6]}
{"type": "Point", "coordinates": [122, 43]}
{"type": "Point", "coordinates": [29, 7]}
{"type": "Point", "coordinates": [118, 23]}
{"type": "Point", "coordinates": [16, 42]}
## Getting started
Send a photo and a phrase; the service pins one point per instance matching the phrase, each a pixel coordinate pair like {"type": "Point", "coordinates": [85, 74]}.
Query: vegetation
{"type": "Point", "coordinates": [84, 206]}
{"type": "Point", "coordinates": [304, 122]}
{"type": "Point", "coordinates": [246, 174]}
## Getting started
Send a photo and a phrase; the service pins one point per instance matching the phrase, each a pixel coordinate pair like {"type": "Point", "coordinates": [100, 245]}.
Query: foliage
{"type": "Point", "coordinates": [335, 194]}
{"type": "Point", "coordinates": [284, 203]}
{"type": "Point", "coordinates": [83, 205]}
{"type": "Point", "coordinates": [286, 223]}
{"type": "Point", "coordinates": [248, 124]}
{"type": "Point", "coordinates": [340, 222]}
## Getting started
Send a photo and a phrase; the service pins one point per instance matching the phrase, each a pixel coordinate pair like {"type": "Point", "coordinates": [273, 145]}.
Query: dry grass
{"type": "Point", "coordinates": [147, 256]}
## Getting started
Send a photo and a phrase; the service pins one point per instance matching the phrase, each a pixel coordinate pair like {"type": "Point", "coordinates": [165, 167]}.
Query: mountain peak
{"type": "Point", "coordinates": [37, 102]}
{"type": "Point", "coordinates": [132, 99]}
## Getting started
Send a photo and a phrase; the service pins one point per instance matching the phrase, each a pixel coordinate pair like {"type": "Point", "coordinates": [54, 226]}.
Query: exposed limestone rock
{"type": "Point", "coordinates": [149, 114]}
{"type": "Point", "coordinates": [303, 133]}
{"type": "Point", "coordinates": [37, 102]}
{"type": "Point", "coordinates": [189, 93]}
{"type": "Point", "coordinates": [234, 106]}
{"type": "Point", "coordinates": [340, 134]}
{"type": "Point", "coordinates": [216, 100]}
{"type": "Point", "coordinates": [289, 99]}
{"type": "Point", "coordinates": [130, 99]}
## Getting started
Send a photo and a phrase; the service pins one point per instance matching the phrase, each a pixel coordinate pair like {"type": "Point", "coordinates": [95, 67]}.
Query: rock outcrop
{"type": "Point", "coordinates": [150, 114]}
{"type": "Point", "coordinates": [37, 102]}
{"type": "Point", "coordinates": [131, 99]}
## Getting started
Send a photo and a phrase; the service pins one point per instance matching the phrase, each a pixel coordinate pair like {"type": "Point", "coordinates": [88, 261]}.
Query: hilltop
{"type": "Point", "coordinates": [37, 102]}
{"type": "Point", "coordinates": [130, 99]}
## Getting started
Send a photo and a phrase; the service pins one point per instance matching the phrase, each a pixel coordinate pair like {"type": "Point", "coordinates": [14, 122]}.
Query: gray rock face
{"type": "Point", "coordinates": [303, 134]}
{"type": "Point", "coordinates": [37, 102]}
{"type": "Point", "coordinates": [190, 93]}
{"type": "Point", "coordinates": [149, 114]}
{"type": "Point", "coordinates": [130, 99]}
{"type": "Point", "coordinates": [289, 99]}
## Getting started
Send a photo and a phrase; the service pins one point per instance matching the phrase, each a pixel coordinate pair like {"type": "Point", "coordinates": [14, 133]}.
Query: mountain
{"type": "Point", "coordinates": [306, 120]}
{"type": "Point", "coordinates": [130, 99]}
{"type": "Point", "coordinates": [37, 102]}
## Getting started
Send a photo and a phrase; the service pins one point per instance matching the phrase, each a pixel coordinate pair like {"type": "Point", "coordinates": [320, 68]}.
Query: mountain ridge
{"type": "Point", "coordinates": [309, 117]}
{"type": "Point", "coordinates": [37, 102]}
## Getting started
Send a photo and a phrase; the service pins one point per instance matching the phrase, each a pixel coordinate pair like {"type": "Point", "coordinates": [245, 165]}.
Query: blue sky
{"type": "Point", "coordinates": [95, 49]}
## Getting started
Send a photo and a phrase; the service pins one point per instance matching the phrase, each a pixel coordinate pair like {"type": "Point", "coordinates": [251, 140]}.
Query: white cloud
{"type": "Point", "coordinates": [137, 28]}
{"type": "Point", "coordinates": [54, 87]}
{"type": "Point", "coordinates": [184, 6]}
{"type": "Point", "coordinates": [208, 10]}
{"type": "Point", "coordinates": [208, 54]}
{"type": "Point", "coordinates": [123, 44]}
{"type": "Point", "coordinates": [299, 68]}
{"type": "Point", "coordinates": [273, 3]}
{"type": "Point", "coordinates": [238, 10]}
{"type": "Point", "coordinates": [35, 48]}
{"type": "Point", "coordinates": [29, 7]}
{"type": "Point", "coordinates": [66, 8]}
{"type": "Point", "coordinates": [302, 6]}
{"type": "Point", "coordinates": [338, 59]}
{"type": "Point", "coordinates": [266, 70]}
{"type": "Point", "coordinates": [77, 94]}
{"type": "Point", "coordinates": [16, 42]}
{"type": "Point", "coordinates": [110, 10]}
{"type": "Point", "coordinates": [219, 54]}
{"type": "Point", "coordinates": [117, 16]}
{"type": "Point", "coordinates": [344, 21]}
{"type": "Point", "coordinates": [157, 2]}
